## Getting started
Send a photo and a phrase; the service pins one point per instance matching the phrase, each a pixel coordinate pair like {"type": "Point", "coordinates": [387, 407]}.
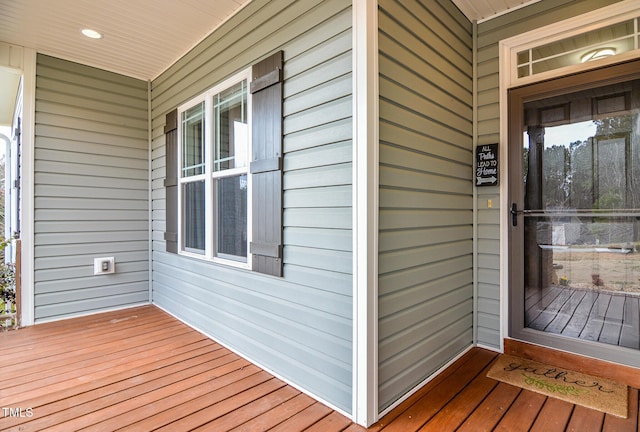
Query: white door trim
{"type": "Point", "coordinates": [508, 49]}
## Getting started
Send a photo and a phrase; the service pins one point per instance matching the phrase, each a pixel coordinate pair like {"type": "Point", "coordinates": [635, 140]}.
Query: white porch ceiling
{"type": "Point", "coordinates": [142, 38]}
{"type": "Point", "coordinates": [480, 10]}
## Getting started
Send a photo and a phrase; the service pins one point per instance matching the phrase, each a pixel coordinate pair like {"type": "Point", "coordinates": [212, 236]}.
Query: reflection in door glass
{"type": "Point", "coordinates": [582, 211]}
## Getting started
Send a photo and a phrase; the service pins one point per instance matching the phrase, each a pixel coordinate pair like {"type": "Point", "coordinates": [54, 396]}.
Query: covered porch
{"type": "Point", "coordinates": [142, 369]}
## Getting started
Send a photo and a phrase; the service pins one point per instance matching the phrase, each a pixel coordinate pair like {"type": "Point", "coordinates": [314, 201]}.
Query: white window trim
{"type": "Point", "coordinates": [209, 175]}
{"type": "Point", "coordinates": [599, 18]}
{"type": "Point", "coordinates": [508, 49]}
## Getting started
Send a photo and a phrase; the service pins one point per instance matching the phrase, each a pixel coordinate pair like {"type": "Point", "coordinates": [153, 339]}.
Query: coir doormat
{"type": "Point", "coordinates": [592, 392]}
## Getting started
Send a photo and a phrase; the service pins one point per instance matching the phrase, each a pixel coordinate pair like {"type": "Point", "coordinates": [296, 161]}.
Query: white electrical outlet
{"type": "Point", "coordinates": [105, 265]}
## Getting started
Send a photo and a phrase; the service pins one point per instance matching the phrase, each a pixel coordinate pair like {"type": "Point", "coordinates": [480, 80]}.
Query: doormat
{"type": "Point", "coordinates": [580, 389]}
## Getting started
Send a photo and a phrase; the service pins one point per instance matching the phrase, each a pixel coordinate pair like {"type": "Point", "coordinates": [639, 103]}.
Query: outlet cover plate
{"type": "Point", "coordinates": [105, 265]}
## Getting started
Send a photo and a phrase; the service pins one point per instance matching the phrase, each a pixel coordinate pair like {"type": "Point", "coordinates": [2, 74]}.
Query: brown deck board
{"type": "Point", "coordinates": [219, 410]}
{"type": "Point", "coordinates": [76, 405]}
{"type": "Point", "coordinates": [60, 379]}
{"type": "Point", "coordinates": [334, 422]}
{"type": "Point", "coordinates": [87, 347]}
{"type": "Point", "coordinates": [455, 412]}
{"type": "Point", "coordinates": [267, 420]}
{"type": "Point", "coordinates": [72, 329]}
{"type": "Point", "coordinates": [491, 410]}
{"type": "Point", "coordinates": [178, 401]}
{"type": "Point", "coordinates": [140, 369]}
{"type": "Point", "coordinates": [554, 416]}
{"type": "Point", "coordinates": [238, 416]}
{"type": "Point", "coordinates": [355, 428]}
{"type": "Point", "coordinates": [303, 419]}
{"type": "Point", "coordinates": [92, 403]}
{"type": "Point", "coordinates": [416, 415]}
{"type": "Point", "coordinates": [522, 413]}
{"type": "Point", "coordinates": [585, 420]}
{"type": "Point", "coordinates": [133, 374]}
{"type": "Point", "coordinates": [85, 357]}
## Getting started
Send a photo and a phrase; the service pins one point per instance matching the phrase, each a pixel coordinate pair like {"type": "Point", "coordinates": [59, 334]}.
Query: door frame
{"type": "Point", "coordinates": [518, 96]}
{"type": "Point", "coordinates": [508, 49]}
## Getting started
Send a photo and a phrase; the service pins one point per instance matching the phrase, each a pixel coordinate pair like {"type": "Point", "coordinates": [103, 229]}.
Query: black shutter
{"type": "Point", "coordinates": [266, 166]}
{"type": "Point", "coordinates": [171, 181]}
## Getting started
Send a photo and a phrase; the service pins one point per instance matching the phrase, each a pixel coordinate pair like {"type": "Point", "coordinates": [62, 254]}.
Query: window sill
{"type": "Point", "coordinates": [219, 261]}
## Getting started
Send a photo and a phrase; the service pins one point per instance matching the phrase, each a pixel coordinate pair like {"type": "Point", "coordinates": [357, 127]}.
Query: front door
{"type": "Point", "coordinates": [574, 216]}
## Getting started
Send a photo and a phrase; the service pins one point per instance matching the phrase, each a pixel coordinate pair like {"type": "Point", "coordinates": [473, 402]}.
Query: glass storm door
{"type": "Point", "coordinates": [574, 160]}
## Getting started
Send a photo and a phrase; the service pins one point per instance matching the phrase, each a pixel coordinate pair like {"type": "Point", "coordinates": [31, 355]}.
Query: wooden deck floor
{"type": "Point", "coordinates": [140, 369]}
{"type": "Point", "coordinates": [589, 315]}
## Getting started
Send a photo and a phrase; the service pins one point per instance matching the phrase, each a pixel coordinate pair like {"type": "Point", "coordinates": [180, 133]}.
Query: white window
{"type": "Point", "coordinates": [214, 193]}
{"type": "Point", "coordinates": [598, 38]}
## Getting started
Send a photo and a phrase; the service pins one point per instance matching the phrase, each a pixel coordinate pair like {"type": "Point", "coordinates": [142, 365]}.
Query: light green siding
{"type": "Point", "coordinates": [91, 189]}
{"type": "Point", "coordinates": [299, 326]}
{"type": "Point", "coordinates": [489, 35]}
{"type": "Point", "coordinates": [426, 204]}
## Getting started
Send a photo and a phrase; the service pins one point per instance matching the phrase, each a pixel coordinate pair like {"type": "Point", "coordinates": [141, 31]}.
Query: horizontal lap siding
{"type": "Point", "coordinates": [489, 35]}
{"type": "Point", "coordinates": [91, 189]}
{"type": "Point", "coordinates": [426, 218]}
{"type": "Point", "coordinates": [298, 326]}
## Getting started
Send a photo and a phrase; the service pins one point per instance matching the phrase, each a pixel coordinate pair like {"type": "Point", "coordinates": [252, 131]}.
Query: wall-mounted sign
{"type": "Point", "coordinates": [487, 165]}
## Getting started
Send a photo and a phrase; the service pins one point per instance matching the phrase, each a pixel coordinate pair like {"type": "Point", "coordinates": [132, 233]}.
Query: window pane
{"type": "Point", "coordinates": [230, 127]}
{"type": "Point", "coordinates": [603, 42]}
{"type": "Point", "coordinates": [523, 71]}
{"type": "Point", "coordinates": [231, 208]}
{"type": "Point", "coordinates": [619, 36]}
{"type": "Point", "coordinates": [193, 141]}
{"type": "Point", "coordinates": [193, 217]}
{"type": "Point", "coordinates": [523, 57]}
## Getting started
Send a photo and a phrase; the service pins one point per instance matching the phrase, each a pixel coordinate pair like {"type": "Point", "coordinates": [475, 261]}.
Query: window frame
{"type": "Point", "coordinates": [210, 176]}
{"type": "Point", "coordinates": [572, 27]}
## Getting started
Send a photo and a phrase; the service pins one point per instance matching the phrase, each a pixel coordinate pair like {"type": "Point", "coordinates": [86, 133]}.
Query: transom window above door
{"type": "Point", "coordinates": [604, 42]}
{"type": "Point", "coordinates": [598, 38]}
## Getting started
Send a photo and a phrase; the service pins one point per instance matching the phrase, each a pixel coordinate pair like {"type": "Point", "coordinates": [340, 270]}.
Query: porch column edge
{"type": "Point", "coordinates": [365, 211]}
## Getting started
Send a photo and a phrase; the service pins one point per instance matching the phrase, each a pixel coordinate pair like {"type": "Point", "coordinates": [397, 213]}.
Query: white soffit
{"type": "Point", "coordinates": [482, 10]}
{"type": "Point", "coordinates": [141, 38]}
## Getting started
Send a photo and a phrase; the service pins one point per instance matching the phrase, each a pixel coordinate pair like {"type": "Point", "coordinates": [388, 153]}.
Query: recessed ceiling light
{"type": "Point", "coordinates": [598, 54]}
{"type": "Point", "coordinates": [91, 33]}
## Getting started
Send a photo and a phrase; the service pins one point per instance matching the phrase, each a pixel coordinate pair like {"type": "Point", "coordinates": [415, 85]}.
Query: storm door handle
{"type": "Point", "coordinates": [514, 214]}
